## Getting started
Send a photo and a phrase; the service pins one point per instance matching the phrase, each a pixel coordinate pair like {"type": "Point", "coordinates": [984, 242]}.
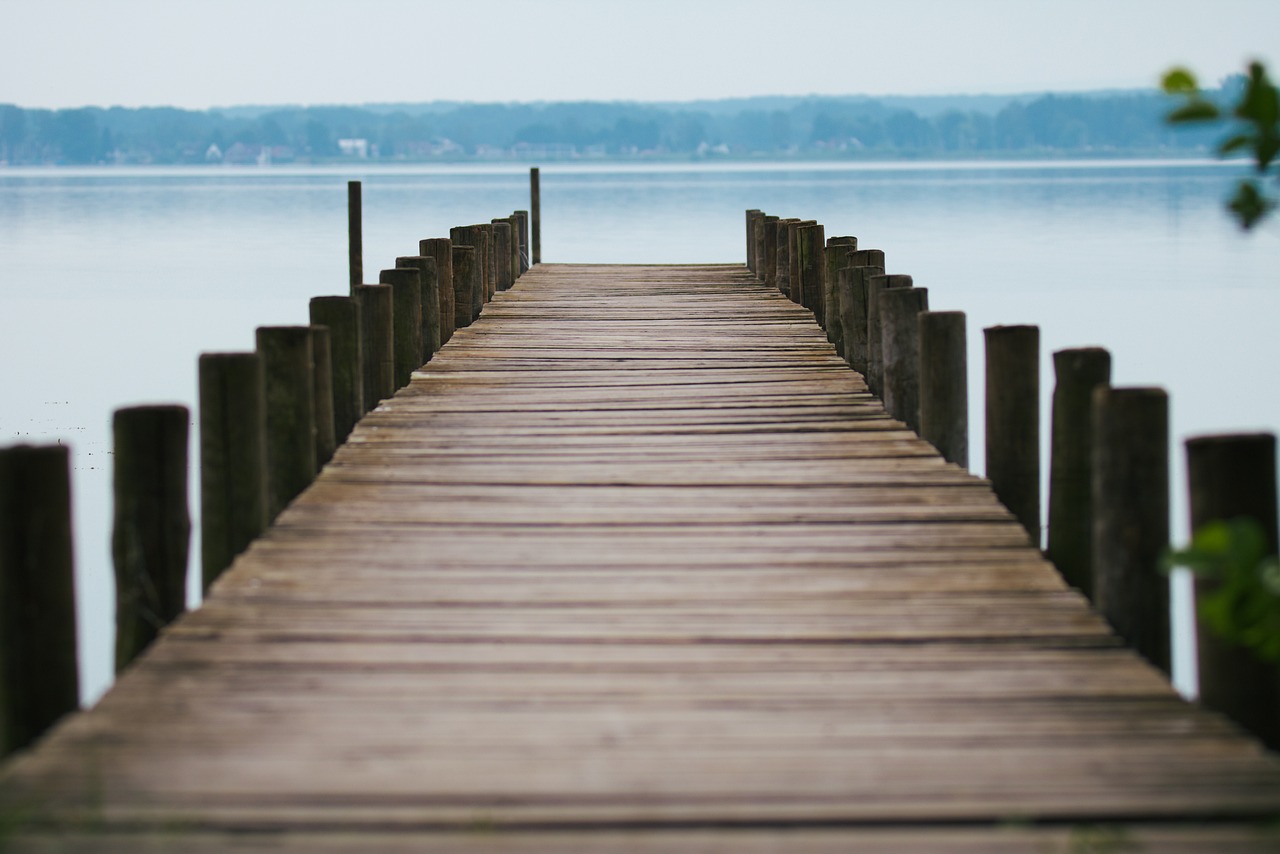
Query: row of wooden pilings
{"type": "Point", "coordinates": [268, 419]}
{"type": "Point", "coordinates": [1108, 524]}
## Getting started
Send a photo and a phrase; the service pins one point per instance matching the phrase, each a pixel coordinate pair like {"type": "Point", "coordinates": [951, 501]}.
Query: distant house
{"type": "Point", "coordinates": [358, 148]}
{"type": "Point", "coordinates": [213, 154]}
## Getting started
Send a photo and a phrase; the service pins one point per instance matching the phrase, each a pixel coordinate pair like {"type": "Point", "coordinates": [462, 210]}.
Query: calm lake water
{"type": "Point", "coordinates": [112, 281]}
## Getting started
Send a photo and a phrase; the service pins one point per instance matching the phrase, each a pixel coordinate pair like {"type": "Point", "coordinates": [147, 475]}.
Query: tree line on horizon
{"type": "Point", "coordinates": [1050, 124]}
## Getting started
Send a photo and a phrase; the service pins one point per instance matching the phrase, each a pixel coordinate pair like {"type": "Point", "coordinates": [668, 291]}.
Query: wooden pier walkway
{"type": "Point", "coordinates": [637, 564]}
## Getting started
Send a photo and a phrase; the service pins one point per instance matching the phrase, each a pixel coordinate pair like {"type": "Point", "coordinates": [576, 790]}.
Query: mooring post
{"type": "Point", "coordinates": [441, 249]}
{"type": "Point", "coordinates": [535, 215]}
{"type": "Point", "coordinates": [795, 287]}
{"type": "Point", "coordinates": [783, 256]}
{"type": "Point", "coordinates": [900, 352]}
{"type": "Point", "coordinates": [812, 266]}
{"type": "Point", "coordinates": [752, 214]}
{"type": "Point", "coordinates": [429, 285]}
{"type": "Point", "coordinates": [355, 235]}
{"type": "Point", "coordinates": [757, 237]}
{"type": "Point", "coordinates": [233, 458]}
{"type": "Point", "coordinates": [471, 290]}
{"type": "Point", "coordinates": [490, 266]}
{"type": "Point", "coordinates": [466, 277]}
{"type": "Point", "coordinates": [376, 337]}
{"type": "Point", "coordinates": [838, 249]}
{"type": "Point", "coordinates": [287, 369]}
{"type": "Point", "coordinates": [322, 393]}
{"type": "Point", "coordinates": [1234, 477]}
{"type": "Point", "coordinates": [944, 384]}
{"type": "Point", "coordinates": [1131, 516]}
{"type": "Point", "coordinates": [769, 273]}
{"type": "Point", "coordinates": [1013, 421]}
{"type": "Point", "coordinates": [406, 319]}
{"type": "Point", "coordinates": [503, 278]}
{"type": "Point", "coordinates": [151, 534]}
{"type": "Point", "coordinates": [39, 682]}
{"type": "Point", "coordinates": [877, 285]}
{"type": "Point", "coordinates": [341, 316]}
{"type": "Point", "coordinates": [523, 231]}
{"type": "Point", "coordinates": [1077, 373]}
{"type": "Point", "coordinates": [851, 296]}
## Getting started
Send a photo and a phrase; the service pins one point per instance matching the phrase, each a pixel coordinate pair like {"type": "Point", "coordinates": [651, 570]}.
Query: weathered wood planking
{"type": "Point", "coordinates": [636, 563]}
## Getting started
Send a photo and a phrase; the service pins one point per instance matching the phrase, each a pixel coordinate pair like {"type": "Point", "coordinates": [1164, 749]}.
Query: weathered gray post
{"type": "Point", "coordinates": [490, 266]}
{"type": "Point", "coordinates": [783, 256]}
{"type": "Point", "coordinates": [1070, 539]}
{"type": "Point", "coordinates": [406, 321]}
{"type": "Point", "coordinates": [523, 232]}
{"type": "Point", "coordinates": [1013, 421]}
{"type": "Point", "coordinates": [812, 266]}
{"type": "Point", "coordinates": [751, 237]}
{"type": "Point", "coordinates": [795, 287]}
{"type": "Point", "coordinates": [322, 393]}
{"type": "Point", "coordinates": [441, 249]}
{"type": "Point", "coordinates": [39, 682]}
{"type": "Point", "coordinates": [291, 412]}
{"type": "Point", "coordinates": [233, 458]}
{"type": "Point", "coordinates": [429, 280]}
{"type": "Point", "coordinates": [1234, 477]}
{"type": "Point", "coordinates": [837, 250]}
{"type": "Point", "coordinates": [341, 315]}
{"type": "Point", "coordinates": [769, 273]}
{"type": "Point", "coordinates": [151, 535]}
{"type": "Point", "coordinates": [1131, 516]}
{"type": "Point", "coordinates": [355, 237]}
{"type": "Point", "coordinates": [876, 285]}
{"type": "Point", "coordinates": [535, 215]}
{"type": "Point", "coordinates": [900, 352]}
{"type": "Point", "coordinates": [944, 384]}
{"type": "Point", "coordinates": [757, 236]}
{"type": "Point", "coordinates": [474, 237]}
{"type": "Point", "coordinates": [465, 277]}
{"type": "Point", "coordinates": [851, 296]}
{"type": "Point", "coordinates": [502, 256]}
{"type": "Point", "coordinates": [378, 356]}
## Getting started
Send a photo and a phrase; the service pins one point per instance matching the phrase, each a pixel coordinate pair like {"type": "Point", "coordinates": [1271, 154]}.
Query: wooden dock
{"type": "Point", "coordinates": [636, 563]}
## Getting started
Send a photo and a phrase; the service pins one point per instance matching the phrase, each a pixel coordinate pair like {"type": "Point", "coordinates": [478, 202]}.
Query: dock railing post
{"type": "Point", "coordinates": [1234, 477]}
{"type": "Point", "coordinates": [441, 249]}
{"type": "Point", "coordinates": [900, 352]}
{"type": "Point", "coordinates": [429, 285]}
{"type": "Point", "coordinates": [876, 285]}
{"type": "Point", "coordinates": [523, 231]}
{"type": "Point", "coordinates": [151, 531]}
{"type": "Point", "coordinates": [233, 458]}
{"type": "Point", "coordinates": [1131, 516]}
{"type": "Point", "coordinates": [1013, 421]}
{"type": "Point", "coordinates": [535, 214]}
{"type": "Point", "coordinates": [378, 358]}
{"type": "Point", "coordinates": [1077, 373]}
{"type": "Point", "coordinates": [811, 263]}
{"type": "Point", "coordinates": [288, 368]}
{"type": "Point", "coordinates": [944, 384]}
{"type": "Point", "coordinates": [406, 319]}
{"type": "Point", "coordinates": [835, 257]}
{"type": "Point", "coordinates": [355, 236]}
{"type": "Point", "coordinates": [769, 270]}
{"type": "Point", "coordinates": [39, 681]}
{"type": "Point", "coordinates": [322, 393]}
{"type": "Point", "coordinates": [341, 315]}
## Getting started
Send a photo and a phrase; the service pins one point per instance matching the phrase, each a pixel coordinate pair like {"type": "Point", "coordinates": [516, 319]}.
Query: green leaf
{"type": "Point", "coordinates": [1179, 81]}
{"type": "Point", "coordinates": [1260, 103]}
{"type": "Point", "coordinates": [1234, 143]}
{"type": "Point", "coordinates": [1249, 205]}
{"type": "Point", "coordinates": [1195, 110]}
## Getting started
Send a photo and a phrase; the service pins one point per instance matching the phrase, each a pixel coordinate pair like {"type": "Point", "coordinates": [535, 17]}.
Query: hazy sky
{"type": "Point", "coordinates": [62, 53]}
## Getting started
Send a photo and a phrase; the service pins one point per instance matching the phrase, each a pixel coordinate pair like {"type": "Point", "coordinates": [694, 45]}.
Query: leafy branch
{"type": "Point", "coordinates": [1254, 128]}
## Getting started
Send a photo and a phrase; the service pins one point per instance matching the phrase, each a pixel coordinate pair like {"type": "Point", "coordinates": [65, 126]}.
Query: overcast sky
{"type": "Point", "coordinates": [67, 53]}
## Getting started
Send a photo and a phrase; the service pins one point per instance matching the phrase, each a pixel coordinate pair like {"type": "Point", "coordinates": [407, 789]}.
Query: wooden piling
{"type": "Point", "coordinates": [233, 458]}
{"type": "Point", "coordinates": [752, 215]}
{"type": "Point", "coordinates": [291, 429]}
{"type": "Point", "coordinates": [851, 296]}
{"type": "Point", "coordinates": [1234, 477]}
{"type": "Point", "coordinates": [322, 393]}
{"type": "Point", "coordinates": [472, 290]}
{"type": "Point", "coordinates": [406, 321]}
{"type": "Point", "coordinates": [429, 283]}
{"type": "Point", "coordinates": [900, 352]}
{"type": "Point", "coordinates": [151, 534]}
{"type": "Point", "coordinates": [1013, 421]}
{"type": "Point", "coordinates": [523, 232]}
{"type": "Point", "coordinates": [1131, 516]}
{"type": "Point", "coordinates": [535, 215]}
{"type": "Point", "coordinates": [769, 272]}
{"type": "Point", "coordinates": [876, 285]}
{"type": "Point", "coordinates": [355, 236]}
{"type": "Point", "coordinates": [466, 278]}
{"type": "Point", "coordinates": [503, 276]}
{"type": "Point", "coordinates": [782, 256]}
{"type": "Point", "coordinates": [39, 682]}
{"type": "Point", "coordinates": [811, 262]}
{"type": "Point", "coordinates": [837, 250]}
{"type": "Point", "coordinates": [378, 356]}
{"type": "Point", "coordinates": [1077, 373]}
{"type": "Point", "coordinates": [341, 315]}
{"type": "Point", "coordinates": [441, 249]}
{"type": "Point", "coordinates": [944, 384]}
{"type": "Point", "coordinates": [795, 286]}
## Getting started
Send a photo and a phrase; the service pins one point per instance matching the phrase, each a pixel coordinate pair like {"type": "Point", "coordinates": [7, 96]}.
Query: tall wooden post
{"type": "Point", "coordinates": [1234, 477]}
{"type": "Point", "coordinates": [233, 458]}
{"type": "Point", "coordinates": [900, 342]}
{"type": "Point", "coordinates": [535, 215]}
{"type": "Point", "coordinates": [287, 369]}
{"type": "Point", "coordinates": [751, 237]}
{"type": "Point", "coordinates": [876, 285]}
{"type": "Point", "coordinates": [851, 296]}
{"type": "Point", "coordinates": [406, 320]}
{"type": "Point", "coordinates": [1077, 373]}
{"type": "Point", "coordinates": [1013, 421]}
{"type": "Point", "coordinates": [1131, 516]}
{"type": "Point", "coordinates": [355, 235]}
{"type": "Point", "coordinates": [523, 232]}
{"type": "Point", "coordinates": [441, 249]}
{"type": "Point", "coordinates": [151, 535]}
{"type": "Point", "coordinates": [838, 249]}
{"type": "Point", "coordinates": [341, 315]}
{"type": "Point", "coordinates": [322, 393]}
{"type": "Point", "coordinates": [378, 358]}
{"type": "Point", "coordinates": [429, 283]}
{"type": "Point", "coordinates": [812, 264]}
{"type": "Point", "coordinates": [476, 237]}
{"type": "Point", "coordinates": [769, 272]}
{"type": "Point", "coordinates": [944, 384]}
{"type": "Point", "coordinates": [39, 682]}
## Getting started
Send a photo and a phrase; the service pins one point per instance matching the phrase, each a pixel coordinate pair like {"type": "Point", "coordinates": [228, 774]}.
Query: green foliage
{"type": "Point", "coordinates": [1255, 130]}
{"type": "Point", "coordinates": [1242, 605]}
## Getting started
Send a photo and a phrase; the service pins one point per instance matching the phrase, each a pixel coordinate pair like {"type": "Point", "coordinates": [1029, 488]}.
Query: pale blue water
{"type": "Point", "coordinates": [112, 281]}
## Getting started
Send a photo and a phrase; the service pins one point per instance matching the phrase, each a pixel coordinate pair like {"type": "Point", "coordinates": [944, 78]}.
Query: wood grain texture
{"type": "Point", "coordinates": [637, 563]}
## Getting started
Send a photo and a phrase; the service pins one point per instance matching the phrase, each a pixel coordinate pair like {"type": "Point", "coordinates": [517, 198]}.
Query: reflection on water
{"type": "Point", "coordinates": [112, 281]}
